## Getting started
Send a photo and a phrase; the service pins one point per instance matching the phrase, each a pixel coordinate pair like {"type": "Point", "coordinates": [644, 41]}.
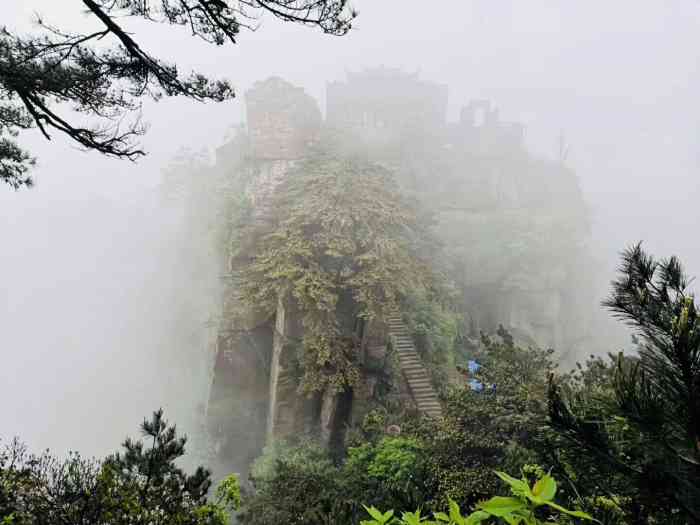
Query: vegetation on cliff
{"type": "Point", "coordinates": [617, 433]}
{"type": "Point", "coordinates": [431, 462]}
{"type": "Point", "coordinates": [344, 247]}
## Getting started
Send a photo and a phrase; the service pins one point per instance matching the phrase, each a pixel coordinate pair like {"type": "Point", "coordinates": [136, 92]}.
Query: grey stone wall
{"type": "Point", "coordinates": [283, 121]}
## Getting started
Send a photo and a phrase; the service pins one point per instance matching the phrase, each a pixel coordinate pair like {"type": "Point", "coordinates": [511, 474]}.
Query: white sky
{"type": "Point", "coordinates": [79, 254]}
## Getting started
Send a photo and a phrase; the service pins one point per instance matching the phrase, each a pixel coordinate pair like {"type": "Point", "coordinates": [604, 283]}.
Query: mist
{"type": "Point", "coordinates": [105, 299]}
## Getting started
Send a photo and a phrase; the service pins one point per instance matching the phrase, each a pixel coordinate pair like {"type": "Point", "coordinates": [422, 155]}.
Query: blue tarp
{"type": "Point", "coordinates": [476, 386]}
{"type": "Point", "coordinates": [473, 366]}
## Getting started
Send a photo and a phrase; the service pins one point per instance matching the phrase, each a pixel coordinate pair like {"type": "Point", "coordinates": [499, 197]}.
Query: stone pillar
{"type": "Point", "coordinates": [277, 347]}
{"type": "Point", "coordinates": [336, 410]}
{"type": "Point", "coordinates": [328, 406]}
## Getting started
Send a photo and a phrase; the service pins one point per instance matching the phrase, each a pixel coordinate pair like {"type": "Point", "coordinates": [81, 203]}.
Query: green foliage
{"type": "Point", "coordinates": [434, 462]}
{"type": "Point", "coordinates": [488, 430]}
{"type": "Point", "coordinates": [299, 454]}
{"type": "Point", "coordinates": [36, 489]}
{"type": "Point", "coordinates": [643, 429]}
{"type": "Point", "coordinates": [436, 332]}
{"type": "Point", "coordinates": [525, 507]}
{"type": "Point", "coordinates": [107, 73]}
{"type": "Point", "coordinates": [227, 500]}
{"type": "Point", "coordinates": [343, 246]}
{"type": "Point", "coordinates": [378, 518]}
{"type": "Point", "coordinates": [609, 441]}
{"type": "Point", "coordinates": [521, 507]}
{"type": "Point", "coordinates": [388, 472]}
{"type": "Point", "coordinates": [431, 462]}
{"type": "Point", "coordinates": [392, 461]}
{"type": "Point", "coordinates": [374, 423]}
{"type": "Point", "coordinates": [302, 485]}
{"type": "Point", "coordinates": [228, 493]}
{"type": "Point", "coordinates": [140, 485]}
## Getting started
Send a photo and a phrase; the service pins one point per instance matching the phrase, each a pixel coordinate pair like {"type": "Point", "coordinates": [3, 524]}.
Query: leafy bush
{"type": "Point", "coordinates": [140, 485]}
{"type": "Point", "coordinates": [527, 506]}
{"type": "Point", "coordinates": [293, 454]}
{"type": "Point", "coordinates": [388, 472]}
{"type": "Point", "coordinates": [429, 463]}
{"type": "Point", "coordinates": [488, 430]}
{"type": "Point", "coordinates": [435, 331]}
{"type": "Point", "coordinates": [636, 422]}
{"type": "Point", "coordinates": [296, 484]}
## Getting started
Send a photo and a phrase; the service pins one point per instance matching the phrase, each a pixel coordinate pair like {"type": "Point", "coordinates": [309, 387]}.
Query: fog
{"type": "Point", "coordinates": [95, 295]}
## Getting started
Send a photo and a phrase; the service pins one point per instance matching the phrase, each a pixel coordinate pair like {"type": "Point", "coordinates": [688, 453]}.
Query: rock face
{"type": "Point", "coordinates": [283, 121]}
{"type": "Point", "coordinates": [254, 395]}
{"type": "Point", "coordinates": [515, 226]}
{"type": "Point", "coordinates": [500, 212]}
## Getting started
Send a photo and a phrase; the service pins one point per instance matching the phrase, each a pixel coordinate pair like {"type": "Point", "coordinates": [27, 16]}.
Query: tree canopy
{"type": "Point", "coordinates": [647, 426]}
{"type": "Point", "coordinates": [343, 242]}
{"type": "Point", "coordinates": [109, 82]}
{"type": "Point", "coordinates": [142, 484]}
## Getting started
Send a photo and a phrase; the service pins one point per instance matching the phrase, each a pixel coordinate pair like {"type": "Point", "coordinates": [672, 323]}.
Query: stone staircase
{"type": "Point", "coordinates": [412, 367]}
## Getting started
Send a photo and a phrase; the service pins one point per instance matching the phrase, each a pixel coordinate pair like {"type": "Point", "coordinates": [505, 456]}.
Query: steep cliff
{"type": "Point", "coordinates": [512, 227]}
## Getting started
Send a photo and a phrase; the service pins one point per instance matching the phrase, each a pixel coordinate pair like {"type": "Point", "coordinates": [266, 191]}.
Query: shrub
{"type": "Point", "coordinates": [142, 484]}
{"type": "Point", "coordinates": [388, 472]}
{"type": "Point", "coordinates": [526, 506]}
{"type": "Point", "coordinates": [296, 484]}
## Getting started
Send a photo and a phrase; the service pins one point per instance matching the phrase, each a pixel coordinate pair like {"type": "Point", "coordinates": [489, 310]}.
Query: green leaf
{"type": "Point", "coordinates": [477, 517]}
{"type": "Point", "coordinates": [514, 520]}
{"type": "Point", "coordinates": [545, 488]}
{"type": "Point", "coordinates": [412, 518]}
{"type": "Point", "coordinates": [518, 487]}
{"type": "Point", "coordinates": [375, 513]}
{"type": "Point", "coordinates": [574, 513]}
{"type": "Point", "coordinates": [501, 506]}
{"type": "Point", "coordinates": [455, 513]}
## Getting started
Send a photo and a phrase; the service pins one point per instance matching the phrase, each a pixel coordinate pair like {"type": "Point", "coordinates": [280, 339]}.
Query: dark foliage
{"type": "Point", "coordinates": [430, 461]}
{"type": "Point", "coordinates": [492, 429]}
{"type": "Point", "coordinates": [647, 428]}
{"type": "Point", "coordinates": [304, 486]}
{"type": "Point", "coordinates": [44, 490]}
{"type": "Point", "coordinates": [147, 474]}
{"type": "Point", "coordinates": [109, 82]}
{"type": "Point", "coordinates": [140, 485]}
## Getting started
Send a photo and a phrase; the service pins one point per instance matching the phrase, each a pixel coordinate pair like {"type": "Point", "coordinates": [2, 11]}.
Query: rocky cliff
{"type": "Point", "coordinates": [513, 228]}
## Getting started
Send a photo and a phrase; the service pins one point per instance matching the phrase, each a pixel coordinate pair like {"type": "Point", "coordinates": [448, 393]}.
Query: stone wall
{"type": "Point", "coordinates": [481, 131]}
{"type": "Point", "coordinates": [382, 104]}
{"type": "Point", "coordinates": [283, 121]}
